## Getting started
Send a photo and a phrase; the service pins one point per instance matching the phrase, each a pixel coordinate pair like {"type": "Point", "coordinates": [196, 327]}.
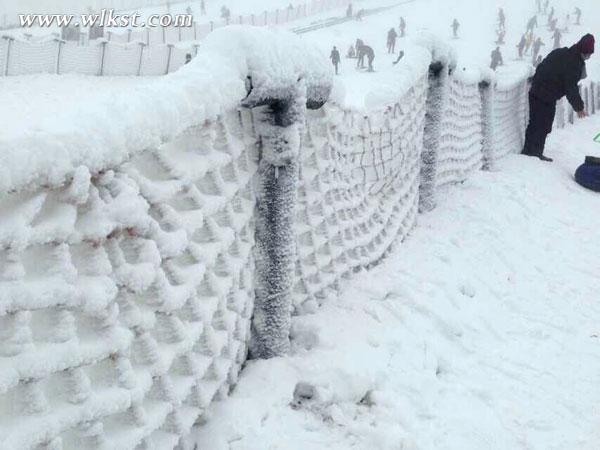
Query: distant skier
{"type": "Point", "coordinates": [521, 46]}
{"type": "Point", "coordinates": [546, 4]}
{"type": "Point", "coordinates": [567, 24]}
{"type": "Point", "coordinates": [349, 10]}
{"type": "Point", "coordinates": [391, 40]}
{"type": "Point", "coordinates": [551, 15]}
{"type": "Point", "coordinates": [528, 42]}
{"type": "Point", "coordinates": [501, 34]}
{"type": "Point", "coordinates": [539, 6]}
{"type": "Point", "coordinates": [351, 53]}
{"type": "Point", "coordinates": [360, 57]}
{"type": "Point", "coordinates": [455, 26]}
{"type": "Point", "coordinates": [202, 8]}
{"type": "Point", "coordinates": [553, 24]}
{"type": "Point", "coordinates": [360, 14]}
{"type": "Point", "coordinates": [501, 19]}
{"type": "Point", "coordinates": [537, 46]}
{"type": "Point", "coordinates": [188, 57]}
{"type": "Point", "coordinates": [400, 56]}
{"type": "Point", "coordinates": [335, 58]}
{"type": "Point", "coordinates": [402, 27]}
{"type": "Point", "coordinates": [577, 16]}
{"type": "Point", "coordinates": [532, 23]}
{"type": "Point", "coordinates": [556, 36]}
{"type": "Point", "coordinates": [496, 59]}
{"type": "Point", "coordinates": [364, 50]}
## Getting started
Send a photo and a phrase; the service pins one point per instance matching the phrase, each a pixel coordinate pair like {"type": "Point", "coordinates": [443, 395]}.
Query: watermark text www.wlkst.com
{"type": "Point", "coordinates": [105, 18]}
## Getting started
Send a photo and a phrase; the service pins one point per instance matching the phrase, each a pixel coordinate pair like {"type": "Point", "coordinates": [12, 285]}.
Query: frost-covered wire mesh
{"type": "Point", "coordinates": [509, 118]}
{"type": "Point", "coordinates": [154, 60]}
{"type": "Point", "coordinates": [77, 59]}
{"type": "Point", "coordinates": [121, 59]}
{"type": "Point", "coordinates": [460, 152]}
{"type": "Point", "coordinates": [32, 57]}
{"type": "Point", "coordinates": [126, 296]}
{"type": "Point", "coordinates": [358, 192]}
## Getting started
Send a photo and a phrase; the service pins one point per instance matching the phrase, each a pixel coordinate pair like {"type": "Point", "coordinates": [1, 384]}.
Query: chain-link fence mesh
{"type": "Point", "coordinates": [358, 192]}
{"type": "Point", "coordinates": [125, 306]}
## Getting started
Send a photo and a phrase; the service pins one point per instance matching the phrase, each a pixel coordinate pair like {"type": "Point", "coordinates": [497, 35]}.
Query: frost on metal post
{"type": "Point", "coordinates": [436, 99]}
{"type": "Point", "coordinates": [281, 99]}
{"type": "Point", "coordinates": [486, 91]}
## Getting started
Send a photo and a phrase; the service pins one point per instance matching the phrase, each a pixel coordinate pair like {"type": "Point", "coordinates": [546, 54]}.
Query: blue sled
{"type": "Point", "coordinates": [588, 174]}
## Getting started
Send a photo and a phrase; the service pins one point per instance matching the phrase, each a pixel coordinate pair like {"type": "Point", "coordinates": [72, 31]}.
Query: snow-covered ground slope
{"type": "Point", "coordinates": [482, 331]}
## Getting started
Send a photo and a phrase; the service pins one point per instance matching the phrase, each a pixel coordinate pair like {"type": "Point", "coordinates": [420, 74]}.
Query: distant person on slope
{"type": "Point", "coordinates": [202, 8]}
{"type": "Point", "coordinates": [391, 40]}
{"type": "Point", "coordinates": [555, 77]}
{"type": "Point", "coordinates": [577, 16]}
{"type": "Point", "coordinates": [496, 59]}
{"type": "Point", "coordinates": [349, 10]}
{"type": "Point", "coordinates": [521, 46]}
{"type": "Point", "coordinates": [537, 46]}
{"type": "Point", "coordinates": [335, 58]}
{"type": "Point", "coordinates": [367, 51]}
{"type": "Point", "coordinates": [455, 27]}
{"type": "Point", "coordinates": [402, 27]}
{"type": "Point", "coordinates": [556, 36]}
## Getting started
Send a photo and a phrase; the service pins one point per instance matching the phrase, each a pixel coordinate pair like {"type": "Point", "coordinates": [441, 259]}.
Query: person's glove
{"type": "Point", "coordinates": [581, 114]}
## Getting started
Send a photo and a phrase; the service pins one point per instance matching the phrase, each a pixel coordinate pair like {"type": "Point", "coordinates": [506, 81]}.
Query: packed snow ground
{"type": "Point", "coordinates": [481, 331]}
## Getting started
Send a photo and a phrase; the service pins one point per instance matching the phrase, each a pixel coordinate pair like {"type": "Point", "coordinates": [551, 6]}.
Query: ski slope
{"type": "Point", "coordinates": [481, 331]}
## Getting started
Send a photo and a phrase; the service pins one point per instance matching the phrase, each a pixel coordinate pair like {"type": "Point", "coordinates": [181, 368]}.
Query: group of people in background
{"type": "Point", "coordinates": [530, 44]}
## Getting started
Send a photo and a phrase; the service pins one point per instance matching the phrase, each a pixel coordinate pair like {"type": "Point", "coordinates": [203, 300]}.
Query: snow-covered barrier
{"type": "Point", "coordinates": [127, 270]}
{"type": "Point", "coordinates": [358, 193]}
{"type": "Point", "coordinates": [99, 58]}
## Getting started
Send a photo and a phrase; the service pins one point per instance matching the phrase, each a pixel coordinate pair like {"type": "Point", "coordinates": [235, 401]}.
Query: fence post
{"type": "Point", "coordinates": [196, 47]}
{"type": "Point", "coordinates": [279, 123]}
{"type": "Point", "coordinates": [129, 35]}
{"type": "Point", "coordinates": [169, 58]}
{"type": "Point", "coordinates": [437, 93]}
{"type": "Point", "coordinates": [103, 53]}
{"type": "Point", "coordinates": [486, 92]}
{"type": "Point", "coordinates": [212, 26]}
{"type": "Point", "coordinates": [252, 19]}
{"type": "Point", "coordinates": [139, 71]}
{"type": "Point", "coordinates": [195, 31]}
{"type": "Point", "coordinates": [59, 42]}
{"type": "Point", "coordinates": [8, 45]}
{"type": "Point", "coordinates": [147, 36]}
{"type": "Point", "coordinates": [179, 33]}
{"type": "Point", "coordinates": [266, 14]}
{"type": "Point", "coordinates": [109, 35]}
{"type": "Point", "coordinates": [164, 35]}
{"type": "Point", "coordinates": [277, 17]}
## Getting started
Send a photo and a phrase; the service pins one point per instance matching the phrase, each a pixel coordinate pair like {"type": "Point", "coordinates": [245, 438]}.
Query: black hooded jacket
{"type": "Point", "coordinates": [558, 75]}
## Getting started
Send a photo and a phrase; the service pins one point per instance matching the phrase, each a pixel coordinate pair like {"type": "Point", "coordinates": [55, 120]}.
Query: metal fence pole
{"type": "Point", "coordinates": [8, 45]}
{"type": "Point", "coordinates": [169, 58]}
{"type": "Point", "coordinates": [139, 71]}
{"type": "Point", "coordinates": [59, 42]}
{"type": "Point", "coordinates": [436, 98]}
{"type": "Point", "coordinates": [103, 54]}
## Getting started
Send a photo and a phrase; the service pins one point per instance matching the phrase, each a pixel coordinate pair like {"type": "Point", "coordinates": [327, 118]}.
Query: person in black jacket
{"type": "Point", "coordinates": [555, 77]}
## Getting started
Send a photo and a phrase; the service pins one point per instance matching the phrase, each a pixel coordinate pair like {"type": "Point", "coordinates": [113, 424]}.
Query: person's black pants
{"type": "Point", "coordinates": [541, 118]}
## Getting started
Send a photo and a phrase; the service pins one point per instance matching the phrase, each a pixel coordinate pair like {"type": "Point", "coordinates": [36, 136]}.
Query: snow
{"type": "Point", "coordinates": [481, 332]}
{"type": "Point", "coordinates": [56, 123]}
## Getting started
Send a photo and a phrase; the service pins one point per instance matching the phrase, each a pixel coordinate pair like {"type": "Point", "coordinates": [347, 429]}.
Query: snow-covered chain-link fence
{"type": "Point", "coordinates": [132, 284]}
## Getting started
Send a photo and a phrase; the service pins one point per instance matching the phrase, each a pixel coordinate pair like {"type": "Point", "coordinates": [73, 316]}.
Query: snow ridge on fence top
{"type": "Point", "coordinates": [110, 129]}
